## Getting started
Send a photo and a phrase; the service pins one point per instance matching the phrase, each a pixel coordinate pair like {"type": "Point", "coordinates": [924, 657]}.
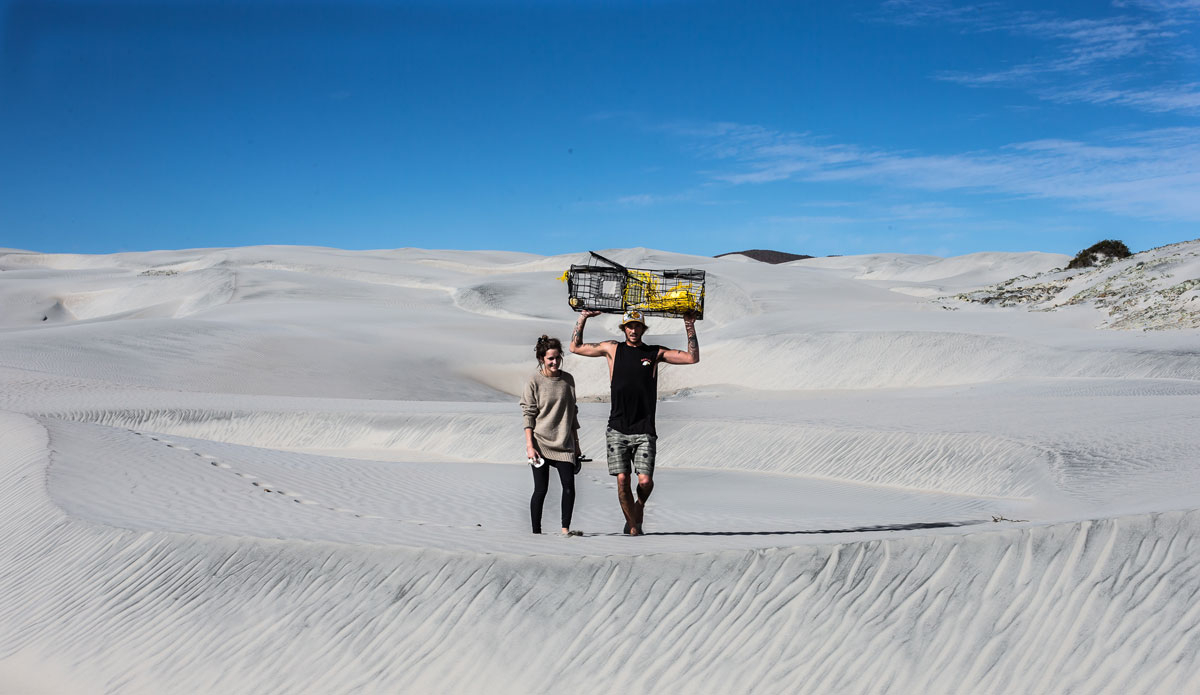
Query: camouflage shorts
{"type": "Point", "coordinates": [626, 449]}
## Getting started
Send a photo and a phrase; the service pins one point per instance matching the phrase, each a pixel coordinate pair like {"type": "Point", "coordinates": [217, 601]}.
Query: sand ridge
{"type": "Point", "coordinates": [278, 469]}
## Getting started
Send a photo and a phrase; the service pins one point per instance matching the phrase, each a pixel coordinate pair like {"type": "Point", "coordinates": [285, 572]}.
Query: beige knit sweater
{"type": "Point", "coordinates": [550, 411]}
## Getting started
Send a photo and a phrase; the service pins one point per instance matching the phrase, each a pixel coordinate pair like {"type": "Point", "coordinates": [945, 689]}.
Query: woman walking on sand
{"type": "Point", "coordinates": [551, 430]}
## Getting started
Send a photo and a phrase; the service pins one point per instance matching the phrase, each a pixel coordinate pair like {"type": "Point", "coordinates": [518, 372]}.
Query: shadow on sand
{"type": "Point", "coordinates": [856, 529]}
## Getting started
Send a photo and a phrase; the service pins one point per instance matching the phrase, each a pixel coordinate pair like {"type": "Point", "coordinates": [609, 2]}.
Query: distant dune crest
{"type": "Point", "coordinates": [766, 256]}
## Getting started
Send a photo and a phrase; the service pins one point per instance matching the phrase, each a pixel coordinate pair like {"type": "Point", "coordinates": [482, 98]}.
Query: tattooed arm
{"type": "Point", "coordinates": [589, 349]}
{"type": "Point", "coordinates": [692, 356]}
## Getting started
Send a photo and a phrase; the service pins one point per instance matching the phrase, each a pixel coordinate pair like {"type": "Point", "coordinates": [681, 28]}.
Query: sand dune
{"type": "Point", "coordinates": [286, 470]}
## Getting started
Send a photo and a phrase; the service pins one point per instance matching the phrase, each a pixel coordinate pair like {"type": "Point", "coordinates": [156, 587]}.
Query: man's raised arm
{"type": "Point", "coordinates": [587, 349]}
{"type": "Point", "coordinates": [692, 356]}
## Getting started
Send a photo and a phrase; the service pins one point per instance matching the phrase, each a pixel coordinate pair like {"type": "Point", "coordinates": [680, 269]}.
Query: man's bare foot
{"type": "Point", "coordinates": [628, 508]}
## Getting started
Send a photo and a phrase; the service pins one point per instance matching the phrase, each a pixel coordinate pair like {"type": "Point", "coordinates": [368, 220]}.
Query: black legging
{"type": "Point", "coordinates": [541, 483]}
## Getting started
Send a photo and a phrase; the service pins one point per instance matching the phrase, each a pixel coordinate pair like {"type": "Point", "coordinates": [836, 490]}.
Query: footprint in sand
{"type": "Point", "coordinates": [296, 496]}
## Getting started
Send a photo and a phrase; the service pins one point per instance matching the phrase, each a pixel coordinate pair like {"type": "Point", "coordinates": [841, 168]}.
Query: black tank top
{"type": "Point", "coordinates": [634, 389]}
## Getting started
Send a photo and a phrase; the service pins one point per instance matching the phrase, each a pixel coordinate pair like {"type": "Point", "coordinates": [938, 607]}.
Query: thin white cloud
{"type": "Point", "coordinates": [776, 156]}
{"type": "Point", "coordinates": [817, 220]}
{"type": "Point", "coordinates": [1151, 174]}
{"type": "Point", "coordinates": [1010, 76]}
{"type": "Point", "coordinates": [1081, 44]}
{"type": "Point", "coordinates": [1094, 40]}
{"type": "Point", "coordinates": [1165, 6]}
{"type": "Point", "coordinates": [1079, 51]}
{"type": "Point", "coordinates": [923, 213]}
{"type": "Point", "coordinates": [1160, 99]}
{"type": "Point", "coordinates": [639, 200]}
{"type": "Point", "coordinates": [979, 16]}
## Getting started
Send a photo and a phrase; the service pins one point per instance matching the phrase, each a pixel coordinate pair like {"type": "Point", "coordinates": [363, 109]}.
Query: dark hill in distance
{"type": "Point", "coordinates": [766, 256]}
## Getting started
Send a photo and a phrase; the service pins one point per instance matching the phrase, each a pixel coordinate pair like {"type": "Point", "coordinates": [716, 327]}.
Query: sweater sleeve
{"type": "Point", "coordinates": [574, 403]}
{"type": "Point", "coordinates": [529, 404]}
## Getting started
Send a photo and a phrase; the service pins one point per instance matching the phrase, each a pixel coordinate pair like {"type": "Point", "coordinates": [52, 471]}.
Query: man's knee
{"type": "Point", "coordinates": [622, 480]}
{"type": "Point", "coordinates": [645, 480]}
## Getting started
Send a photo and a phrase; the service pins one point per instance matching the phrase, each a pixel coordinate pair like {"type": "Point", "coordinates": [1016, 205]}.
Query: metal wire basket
{"type": "Point", "coordinates": [612, 288]}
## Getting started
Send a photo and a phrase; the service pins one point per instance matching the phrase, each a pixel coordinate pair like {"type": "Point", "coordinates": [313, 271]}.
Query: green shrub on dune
{"type": "Point", "coordinates": [1099, 253]}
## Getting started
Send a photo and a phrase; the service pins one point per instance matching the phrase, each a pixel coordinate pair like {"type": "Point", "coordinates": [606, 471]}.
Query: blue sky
{"type": "Point", "coordinates": [914, 126]}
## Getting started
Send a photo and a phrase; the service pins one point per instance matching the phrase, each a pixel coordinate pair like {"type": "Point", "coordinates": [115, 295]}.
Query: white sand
{"type": "Point", "coordinates": [284, 470]}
